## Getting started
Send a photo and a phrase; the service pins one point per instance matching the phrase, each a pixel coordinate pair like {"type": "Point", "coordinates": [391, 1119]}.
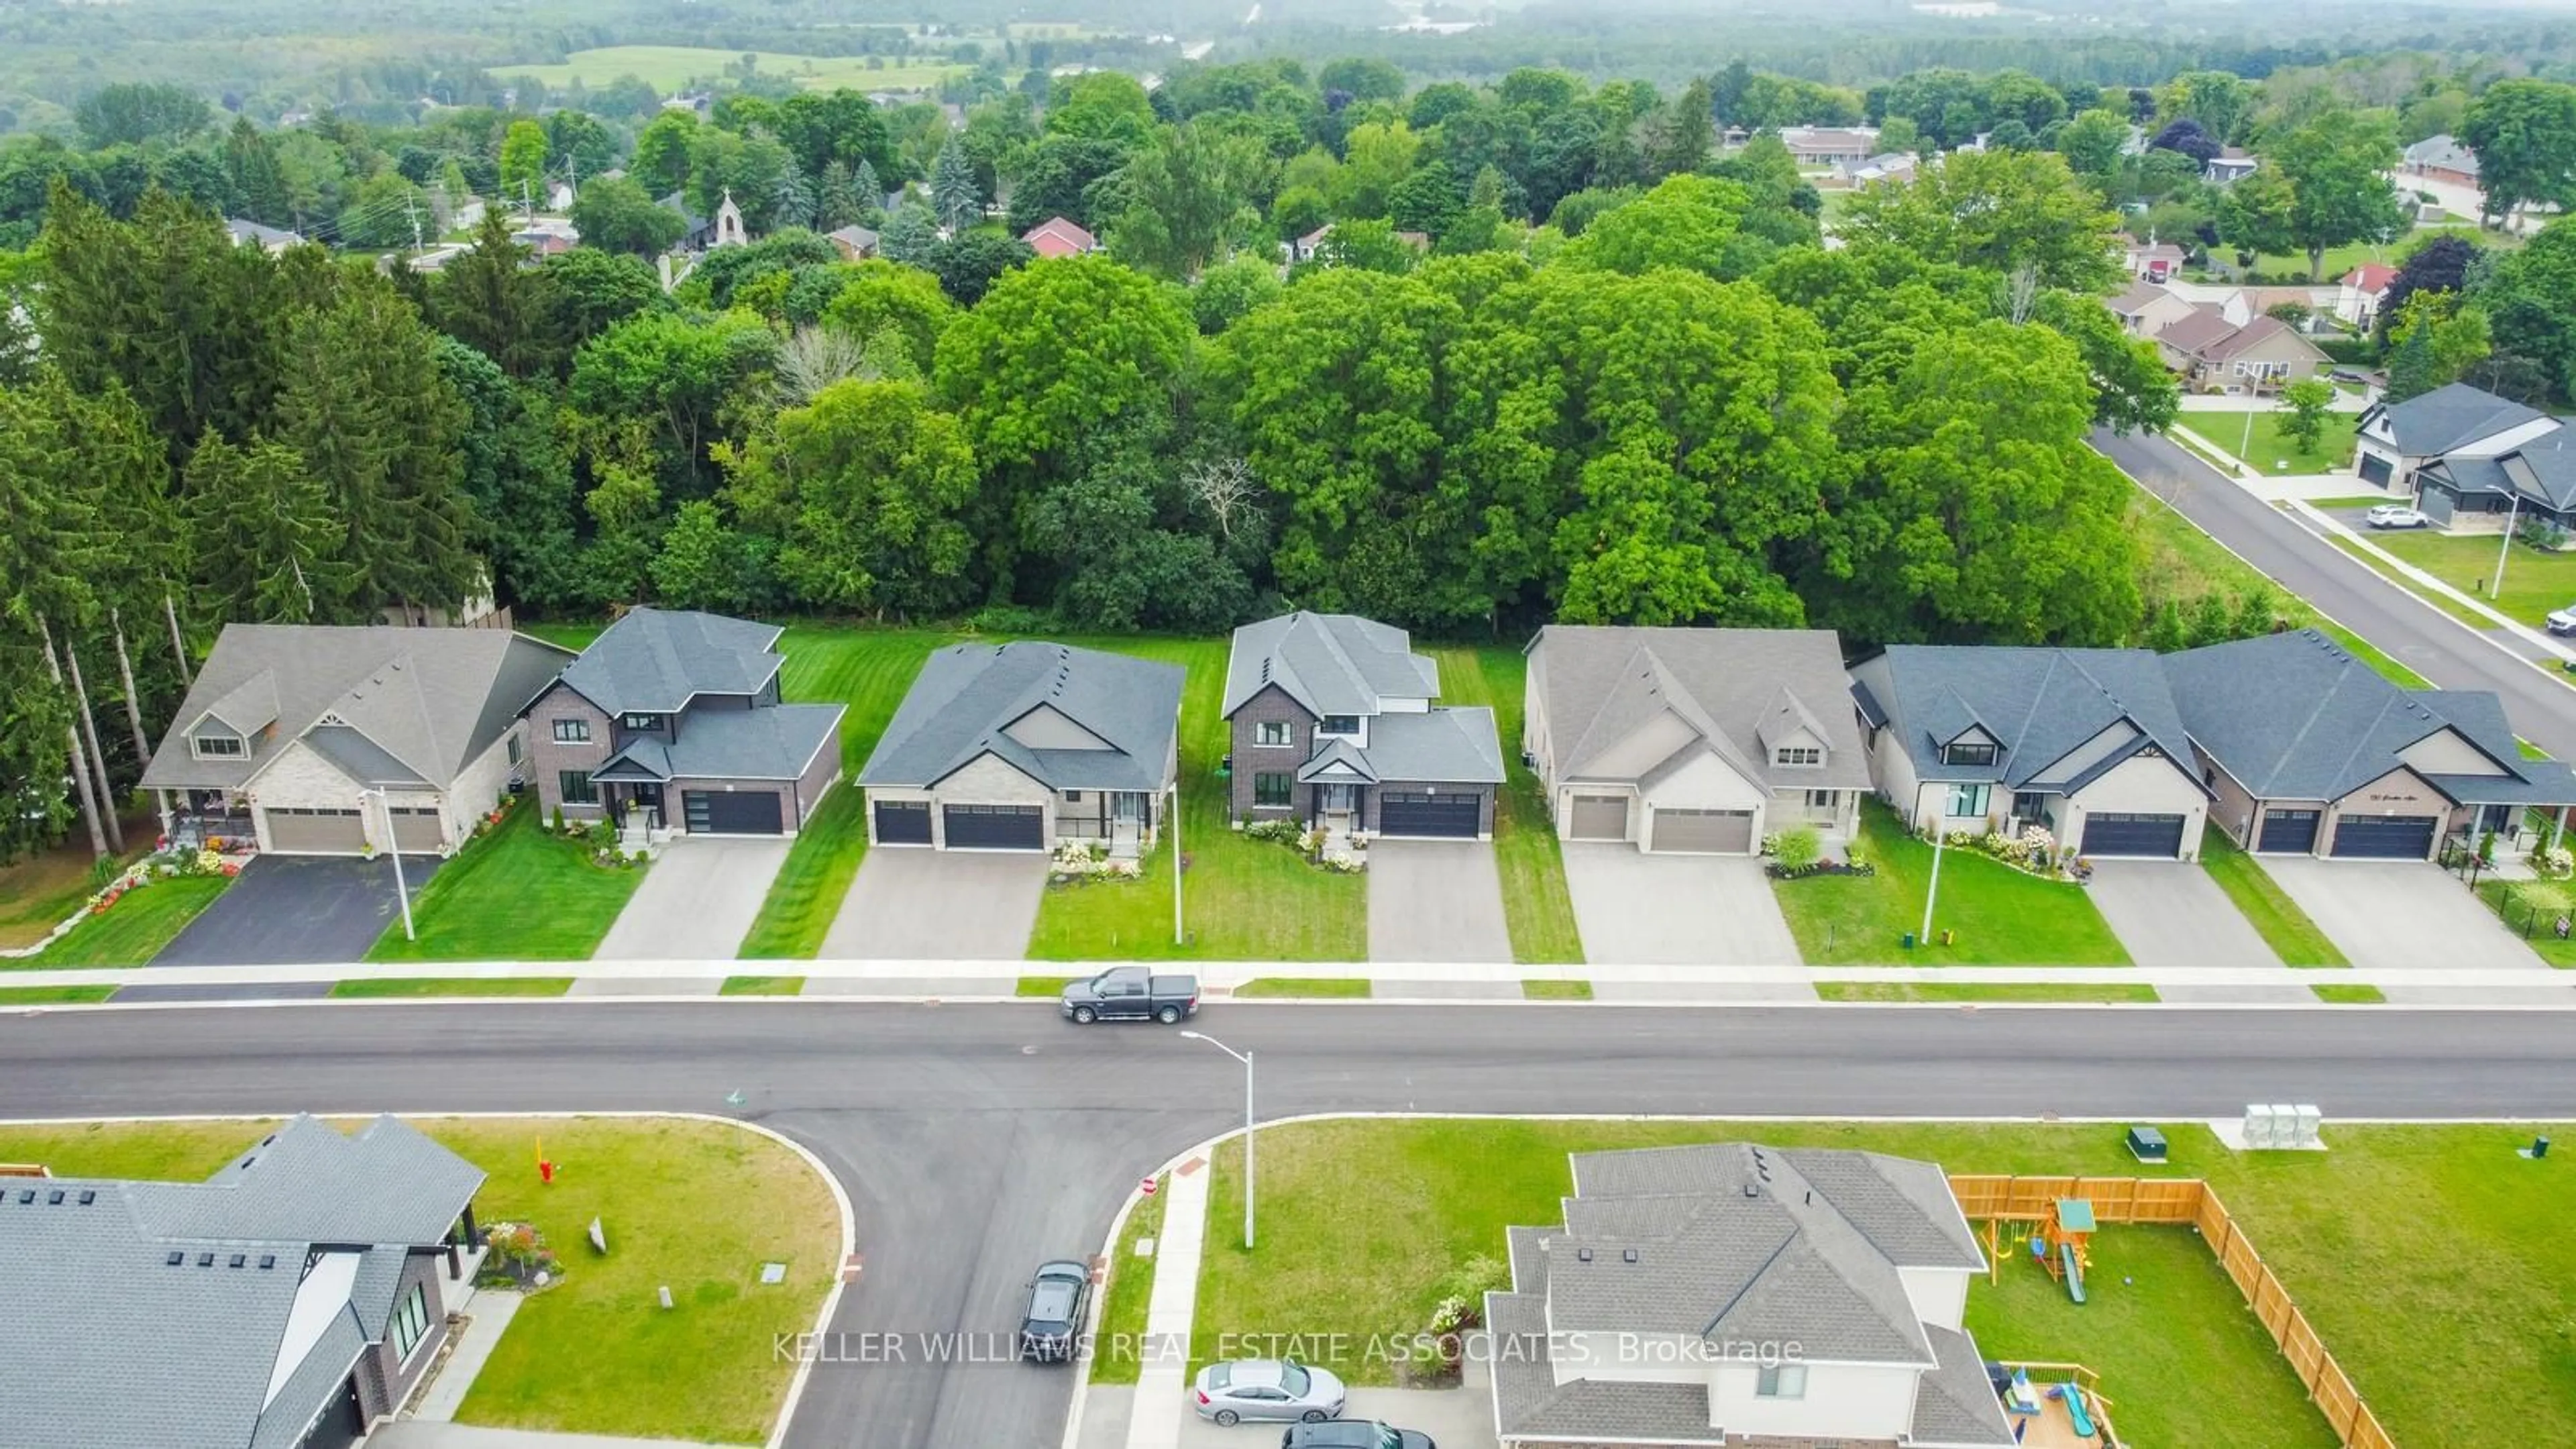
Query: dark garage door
{"type": "Point", "coordinates": [903, 822]}
{"type": "Point", "coordinates": [731, 812]}
{"type": "Point", "coordinates": [995, 827]}
{"type": "Point", "coordinates": [2374, 469]}
{"type": "Point", "coordinates": [1401, 812]}
{"type": "Point", "coordinates": [2385, 837]}
{"type": "Point", "coordinates": [2292, 831]}
{"type": "Point", "coordinates": [2114, 834]}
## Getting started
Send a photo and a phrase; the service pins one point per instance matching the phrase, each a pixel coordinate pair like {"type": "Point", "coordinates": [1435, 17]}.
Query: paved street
{"type": "Point", "coordinates": [975, 1141]}
{"type": "Point", "coordinates": [292, 909]}
{"type": "Point", "coordinates": [2170, 913]}
{"type": "Point", "coordinates": [698, 900]}
{"type": "Point", "coordinates": [2427, 641]}
{"type": "Point", "coordinates": [1686, 909]}
{"type": "Point", "coordinates": [1435, 900]}
{"type": "Point", "coordinates": [940, 905]}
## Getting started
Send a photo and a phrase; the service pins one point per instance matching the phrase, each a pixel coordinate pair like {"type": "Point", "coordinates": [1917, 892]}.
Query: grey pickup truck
{"type": "Point", "coordinates": [1131, 993]}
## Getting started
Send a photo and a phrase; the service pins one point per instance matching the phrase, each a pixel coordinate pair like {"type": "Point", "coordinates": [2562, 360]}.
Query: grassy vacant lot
{"type": "Point", "coordinates": [2275, 917]}
{"type": "Point", "coordinates": [134, 929]}
{"type": "Point", "coordinates": [377, 988]}
{"type": "Point", "coordinates": [518, 894]}
{"type": "Point", "coordinates": [1536, 905]}
{"type": "Point", "coordinates": [669, 67]}
{"type": "Point", "coordinates": [2271, 445]}
{"type": "Point", "coordinates": [2535, 582]}
{"type": "Point", "coordinates": [596, 1354]}
{"type": "Point", "coordinates": [2183, 563]}
{"type": "Point", "coordinates": [2002, 916]}
{"type": "Point", "coordinates": [2447, 1221]}
{"type": "Point", "coordinates": [2060, 993]}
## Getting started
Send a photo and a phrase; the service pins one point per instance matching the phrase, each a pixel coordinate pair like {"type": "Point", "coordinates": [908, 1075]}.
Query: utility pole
{"type": "Point", "coordinates": [527, 202]}
{"type": "Point", "coordinates": [413, 214]}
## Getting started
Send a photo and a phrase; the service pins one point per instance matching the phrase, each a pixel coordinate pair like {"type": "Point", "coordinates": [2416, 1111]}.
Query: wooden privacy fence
{"type": "Point", "coordinates": [2178, 1201]}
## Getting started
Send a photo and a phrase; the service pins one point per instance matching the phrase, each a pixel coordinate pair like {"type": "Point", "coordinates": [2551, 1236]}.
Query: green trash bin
{"type": "Point", "coordinates": [1909, 940]}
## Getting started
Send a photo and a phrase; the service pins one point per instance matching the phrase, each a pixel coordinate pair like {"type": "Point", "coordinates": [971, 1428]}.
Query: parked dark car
{"type": "Point", "coordinates": [1353, 1434]}
{"type": "Point", "coordinates": [1054, 1317]}
{"type": "Point", "coordinates": [1131, 993]}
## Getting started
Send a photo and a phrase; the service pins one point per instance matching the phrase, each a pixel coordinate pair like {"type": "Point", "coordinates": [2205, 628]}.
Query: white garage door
{"type": "Point", "coordinates": [1704, 832]}
{"type": "Point", "coordinates": [315, 832]}
{"type": "Point", "coordinates": [1599, 817]}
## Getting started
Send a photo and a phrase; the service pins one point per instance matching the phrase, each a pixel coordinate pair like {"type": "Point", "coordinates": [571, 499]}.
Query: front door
{"type": "Point", "coordinates": [1338, 799]}
{"type": "Point", "coordinates": [1128, 807]}
{"type": "Point", "coordinates": [649, 797]}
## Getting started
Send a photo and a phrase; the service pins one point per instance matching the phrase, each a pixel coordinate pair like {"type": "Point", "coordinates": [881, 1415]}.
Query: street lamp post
{"type": "Point", "coordinates": [1940, 835]}
{"type": "Point", "coordinates": [2504, 550]}
{"type": "Point", "coordinates": [1175, 813]}
{"type": "Point", "coordinates": [393, 848]}
{"type": "Point", "coordinates": [1246, 1059]}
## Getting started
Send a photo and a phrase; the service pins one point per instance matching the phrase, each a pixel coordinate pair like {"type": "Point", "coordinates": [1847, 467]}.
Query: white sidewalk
{"type": "Point", "coordinates": [1162, 1380]}
{"type": "Point", "coordinates": [2336, 527]}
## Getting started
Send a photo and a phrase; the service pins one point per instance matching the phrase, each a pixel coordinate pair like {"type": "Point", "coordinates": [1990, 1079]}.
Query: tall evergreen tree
{"type": "Point", "coordinates": [268, 548]}
{"type": "Point", "coordinates": [487, 299]}
{"type": "Point", "coordinates": [795, 201]}
{"type": "Point", "coordinates": [954, 196]}
{"type": "Point", "coordinates": [871, 193]}
{"type": "Point", "coordinates": [251, 164]}
{"type": "Point", "coordinates": [836, 201]}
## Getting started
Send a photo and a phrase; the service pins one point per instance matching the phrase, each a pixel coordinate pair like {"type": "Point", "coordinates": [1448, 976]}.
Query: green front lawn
{"type": "Point", "coordinates": [369, 988]}
{"type": "Point", "coordinates": [520, 893]}
{"type": "Point", "coordinates": [2001, 916]}
{"type": "Point", "coordinates": [2540, 935]}
{"type": "Point", "coordinates": [2275, 917]}
{"type": "Point", "coordinates": [2054, 993]}
{"type": "Point", "coordinates": [2535, 582]}
{"type": "Point", "coordinates": [2439, 600]}
{"type": "Point", "coordinates": [39, 891]}
{"type": "Point", "coordinates": [2444, 1220]}
{"type": "Point", "coordinates": [595, 1354]}
{"type": "Point", "coordinates": [1536, 905]}
{"type": "Point", "coordinates": [2270, 445]}
{"type": "Point", "coordinates": [134, 930]}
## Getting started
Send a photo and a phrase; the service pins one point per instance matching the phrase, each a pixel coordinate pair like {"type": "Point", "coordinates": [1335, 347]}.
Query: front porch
{"type": "Point", "coordinates": [200, 819]}
{"type": "Point", "coordinates": [1127, 821]}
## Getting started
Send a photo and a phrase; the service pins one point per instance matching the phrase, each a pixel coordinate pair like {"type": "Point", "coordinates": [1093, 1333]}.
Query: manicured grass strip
{"type": "Point", "coordinates": [1337, 987]}
{"type": "Point", "coordinates": [54, 995]}
{"type": "Point", "coordinates": [593, 1355]}
{"type": "Point", "coordinates": [135, 929]}
{"type": "Point", "coordinates": [2441, 601]}
{"type": "Point", "coordinates": [518, 894]}
{"type": "Point", "coordinates": [2001, 916]}
{"type": "Point", "coordinates": [1537, 908]}
{"type": "Point", "coordinates": [1557, 990]}
{"type": "Point", "coordinates": [370, 987]}
{"type": "Point", "coordinates": [1116, 1354]}
{"type": "Point", "coordinates": [807, 891]}
{"type": "Point", "coordinates": [2275, 917]}
{"type": "Point", "coordinates": [762, 986]}
{"type": "Point", "coordinates": [2064, 992]}
{"type": "Point", "coordinates": [2367, 500]}
{"type": "Point", "coordinates": [1049, 987]}
{"type": "Point", "coordinates": [2349, 994]}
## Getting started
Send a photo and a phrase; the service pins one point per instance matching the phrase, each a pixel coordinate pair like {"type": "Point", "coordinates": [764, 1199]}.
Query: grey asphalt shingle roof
{"type": "Point", "coordinates": [2545, 467]}
{"type": "Point", "coordinates": [1449, 743]}
{"type": "Point", "coordinates": [88, 1299]}
{"type": "Point", "coordinates": [2470, 476]}
{"type": "Point", "coordinates": [1328, 663]}
{"type": "Point", "coordinates": [1530, 1404]}
{"type": "Point", "coordinates": [2039, 703]}
{"type": "Point", "coordinates": [2296, 717]}
{"type": "Point", "coordinates": [1903, 1206]}
{"type": "Point", "coordinates": [654, 661]}
{"type": "Point", "coordinates": [2192, 336]}
{"type": "Point", "coordinates": [2450, 417]}
{"type": "Point", "coordinates": [432, 700]}
{"type": "Point", "coordinates": [359, 757]}
{"type": "Point", "coordinates": [1955, 1405]}
{"type": "Point", "coordinates": [1733, 687]}
{"type": "Point", "coordinates": [774, 742]}
{"type": "Point", "coordinates": [967, 695]}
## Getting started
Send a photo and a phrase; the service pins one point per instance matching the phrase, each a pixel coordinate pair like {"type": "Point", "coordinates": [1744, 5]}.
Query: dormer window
{"type": "Point", "coordinates": [643, 721]}
{"type": "Point", "coordinates": [1338, 724]}
{"type": "Point", "coordinates": [1798, 755]}
{"type": "Point", "coordinates": [1968, 752]}
{"type": "Point", "coordinates": [217, 747]}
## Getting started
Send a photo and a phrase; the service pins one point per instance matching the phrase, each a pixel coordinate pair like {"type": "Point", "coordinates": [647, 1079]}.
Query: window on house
{"type": "Point", "coordinates": [576, 787]}
{"type": "Point", "coordinates": [1339, 724]}
{"type": "Point", "coordinates": [572, 732]}
{"type": "Point", "coordinates": [1967, 800]}
{"type": "Point", "coordinates": [1781, 1381]}
{"type": "Point", "coordinates": [2029, 805]}
{"type": "Point", "coordinates": [1824, 799]}
{"type": "Point", "coordinates": [1798, 755]}
{"type": "Point", "coordinates": [515, 749]}
{"type": "Point", "coordinates": [219, 747]}
{"type": "Point", "coordinates": [410, 1322]}
{"type": "Point", "coordinates": [1271, 732]}
{"type": "Point", "coordinates": [644, 721]}
{"type": "Point", "coordinates": [1073, 797]}
{"type": "Point", "coordinates": [1269, 789]}
{"type": "Point", "coordinates": [1966, 752]}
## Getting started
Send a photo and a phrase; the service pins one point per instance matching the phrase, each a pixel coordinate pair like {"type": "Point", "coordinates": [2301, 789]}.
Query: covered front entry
{"type": "Point", "coordinates": [1599, 817]}
{"type": "Point", "coordinates": [1703, 832]}
{"type": "Point", "coordinates": [994, 827]}
{"type": "Point", "coordinates": [732, 812]}
{"type": "Point", "coordinates": [2109, 833]}
{"type": "Point", "coordinates": [1403, 812]}
{"type": "Point", "coordinates": [2288, 832]}
{"type": "Point", "coordinates": [902, 822]}
{"type": "Point", "coordinates": [295, 831]}
{"type": "Point", "coordinates": [2385, 837]}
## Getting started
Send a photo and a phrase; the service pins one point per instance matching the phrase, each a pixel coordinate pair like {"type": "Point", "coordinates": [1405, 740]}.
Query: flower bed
{"type": "Point", "coordinates": [2033, 852]}
{"type": "Point", "coordinates": [519, 1258]}
{"type": "Point", "coordinates": [1089, 860]}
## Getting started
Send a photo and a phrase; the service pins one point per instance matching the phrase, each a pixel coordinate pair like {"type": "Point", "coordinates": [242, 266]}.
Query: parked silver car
{"type": "Point", "coordinates": [2395, 515]}
{"type": "Point", "coordinates": [1267, 1388]}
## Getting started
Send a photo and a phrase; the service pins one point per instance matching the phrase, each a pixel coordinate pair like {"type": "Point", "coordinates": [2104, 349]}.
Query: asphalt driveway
{"type": "Point", "coordinates": [910, 904]}
{"type": "Point", "coordinates": [2398, 913]}
{"type": "Point", "coordinates": [297, 910]}
{"type": "Point", "coordinates": [697, 901]}
{"type": "Point", "coordinates": [1692, 910]}
{"type": "Point", "coordinates": [2170, 913]}
{"type": "Point", "coordinates": [1436, 900]}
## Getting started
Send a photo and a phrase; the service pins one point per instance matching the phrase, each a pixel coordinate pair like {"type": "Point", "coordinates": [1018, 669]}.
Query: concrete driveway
{"type": "Point", "coordinates": [1436, 900]}
{"type": "Point", "coordinates": [911, 903]}
{"type": "Point", "coordinates": [2398, 913]}
{"type": "Point", "coordinates": [2170, 913]}
{"type": "Point", "coordinates": [298, 909]}
{"type": "Point", "coordinates": [1694, 910]}
{"type": "Point", "coordinates": [697, 901]}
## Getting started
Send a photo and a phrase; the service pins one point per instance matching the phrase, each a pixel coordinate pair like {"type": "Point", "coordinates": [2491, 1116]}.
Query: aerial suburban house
{"type": "Point", "coordinates": [311, 739]}
{"type": "Point", "coordinates": [1333, 724]}
{"type": "Point", "coordinates": [1896, 166]}
{"type": "Point", "coordinates": [1817, 148]}
{"type": "Point", "coordinates": [1693, 740]}
{"type": "Point", "coordinates": [1733, 1294]}
{"type": "Point", "coordinates": [2083, 743]}
{"type": "Point", "coordinates": [2147, 309]}
{"type": "Point", "coordinates": [2215, 355]}
{"type": "Point", "coordinates": [2229, 166]}
{"type": "Point", "coordinates": [2310, 751]}
{"type": "Point", "coordinates": [2534, 482]}
{"type": "Point", "coordinates": [2359, 292]}
{"type": "Point", "coordinates": [670, 721]}
{"type": "Point", "coordinates": [854, 243]}
{"type": "Point", "coordinates": [2454, 424]}
{"type": "Point", "coordinates": [1057, 237]}
{"type": "Point", "coordinates": [2307, 306]}
{"type": "Point", "coordinates": [2151, 261]}
{"type": "Point", "coordinates": [2441, 158]}
{"type": "Point", "coordinates": [267, 238]}
{"type": "Point", "coordinates": [291, 1301]}
{"type": "Point", "coordinates": [1022, 746]}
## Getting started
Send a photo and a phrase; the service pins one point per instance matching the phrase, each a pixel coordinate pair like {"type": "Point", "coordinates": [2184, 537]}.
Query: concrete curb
{"type": "Point", "coordinates": [2323, 522]}
{"type": "Point", "coordinates": [2534, 980]}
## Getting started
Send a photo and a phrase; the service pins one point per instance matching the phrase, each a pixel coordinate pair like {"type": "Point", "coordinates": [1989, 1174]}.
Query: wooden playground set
{"type": "Point", "coordinates": [2068, 1412]}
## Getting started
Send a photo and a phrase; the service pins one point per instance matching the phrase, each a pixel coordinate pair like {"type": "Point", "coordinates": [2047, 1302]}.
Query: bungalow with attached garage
{"type": "Point", "coordinates": [1692, 740]}
{"type": "Point", "coordinates": [1021, 746]}
{"type": "Point", "coordinates": [2397, 440]}
{"type": "Point", "coordinates": [2083, 743]}
{"type": "Point", "coordinates": [2309, 751]}
{"type": "Point", "coordinates": [2215, 355]}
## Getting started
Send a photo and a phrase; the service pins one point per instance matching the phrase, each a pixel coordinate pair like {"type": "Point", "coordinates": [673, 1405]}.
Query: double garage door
{"type": "Point", "coordinates": [1404, 812]}
{"type": "Point", "coordinates": [732, 812]}
{"type": "Point", "coordinates": [2109, 833]}
{"type": "Point", "coordinates": [994, 827]}
{"type": "Point", "coordinates": [316, 832]}
{"type": "Point", "coordinates": [2385, 837]}
{"type": "Point", "coordinates": [1703, 832]}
